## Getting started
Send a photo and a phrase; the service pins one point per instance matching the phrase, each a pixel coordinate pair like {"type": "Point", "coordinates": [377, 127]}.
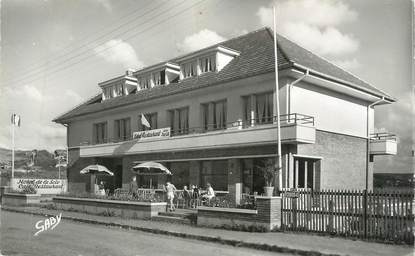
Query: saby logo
{"type": "Point", "coordinates": [49, 223]}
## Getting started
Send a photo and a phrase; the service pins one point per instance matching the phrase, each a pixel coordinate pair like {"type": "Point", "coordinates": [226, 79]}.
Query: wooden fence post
{"type": "Point", "coordinates": [365, 214]}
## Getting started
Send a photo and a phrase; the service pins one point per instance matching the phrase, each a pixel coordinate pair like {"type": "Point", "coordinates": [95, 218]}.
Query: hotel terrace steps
{"type": "Point", "coordinates": [180, 216]}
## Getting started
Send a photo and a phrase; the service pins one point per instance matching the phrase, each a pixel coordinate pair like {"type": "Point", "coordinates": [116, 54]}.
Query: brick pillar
{"type": "Point", "coordinates": [194, 173]}
{"type": "Point", "coordinates": [127, 174]}
{"type": "Point", "coordinates": [235, 179]}
{"type": "Point", "coordinates": [269, 211]}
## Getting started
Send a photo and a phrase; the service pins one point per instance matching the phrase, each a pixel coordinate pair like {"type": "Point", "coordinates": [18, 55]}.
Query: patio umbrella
{"type": "Point", "coordinates": [95, 169]}
{"type": "Point", "coordinates": [151, 168]}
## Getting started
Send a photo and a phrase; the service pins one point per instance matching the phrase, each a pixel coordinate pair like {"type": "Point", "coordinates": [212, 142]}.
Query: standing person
{"type": "Point", "coordinates": [187, 196]}
{"type": "Point", "coordinates": [132, 190]}
{"type": "Point", "coordinates": [170, 189]}
{"type": "Point", "coordinates": [195, 196]}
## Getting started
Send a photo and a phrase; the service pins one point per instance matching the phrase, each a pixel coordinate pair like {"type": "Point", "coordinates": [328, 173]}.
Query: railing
{"type": "Point", "coordinates": [382, 136]}
{"type": "Point", "coordinates": [293, 118]}
{"type": "Point", "coordinates": [377, 215]}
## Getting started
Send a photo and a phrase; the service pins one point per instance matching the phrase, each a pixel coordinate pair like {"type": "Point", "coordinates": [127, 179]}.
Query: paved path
{"type": "Point", "coordinates": [296, 241]}
{"type": "Point", "coordinates": [72, 238]}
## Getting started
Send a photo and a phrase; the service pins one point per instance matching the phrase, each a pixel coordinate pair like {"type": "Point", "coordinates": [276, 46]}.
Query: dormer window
{"type": "Point", "coordinates": [208, 64]}
{"type": "Point", "coordinates": [189, 69]}
{"type": "Point", "coordinates": [211, 59]}
{"type": "Point", "coordinates": [159, 74]}
{"type": "Point", "coordinates": [119, 86]}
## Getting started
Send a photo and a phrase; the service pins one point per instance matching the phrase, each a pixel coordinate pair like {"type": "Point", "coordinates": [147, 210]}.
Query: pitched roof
{"type": "Point", "coordinates": [256, 57]}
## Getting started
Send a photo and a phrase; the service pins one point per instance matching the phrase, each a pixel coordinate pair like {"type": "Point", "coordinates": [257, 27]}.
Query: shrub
{"type": "Point", "coordinates": [244, 228]}
{"type": "Point", "coordinates": [49, 206]}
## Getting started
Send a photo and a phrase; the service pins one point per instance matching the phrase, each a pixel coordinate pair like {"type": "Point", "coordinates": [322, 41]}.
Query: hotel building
{"type": "Point", "coordinates": [212, 119]}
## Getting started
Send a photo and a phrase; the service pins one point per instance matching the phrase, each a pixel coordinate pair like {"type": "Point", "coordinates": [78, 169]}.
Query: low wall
{"type": "Point", "coordinates": [125, 209]}
{"type": "Point", "coordinates": [4, 189]}
{"type": "Point", "coordinates": [267, 215]}
{"type": "Point", "coordinates": [16, 199]}
{"type": "Point", "coordinates": [218, 217]}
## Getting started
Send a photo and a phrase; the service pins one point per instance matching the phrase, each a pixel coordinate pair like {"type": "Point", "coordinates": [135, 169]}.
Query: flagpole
{"type": "Point", "coordinates": [12, 150]}
{"type": "Point", "coordinates": [279, 164]}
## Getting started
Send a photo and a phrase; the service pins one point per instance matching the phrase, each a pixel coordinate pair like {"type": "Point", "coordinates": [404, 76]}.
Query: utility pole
{"type": "Point", "coordinates": [277, 102]}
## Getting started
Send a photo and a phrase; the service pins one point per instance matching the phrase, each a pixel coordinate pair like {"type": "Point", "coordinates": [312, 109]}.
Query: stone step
{"type": "Point", "coordinates": [171, 219]}
{"type": "Point", "coordinates": [175, 214]}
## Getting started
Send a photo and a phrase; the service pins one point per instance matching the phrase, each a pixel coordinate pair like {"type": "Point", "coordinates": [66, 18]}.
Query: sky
{"type": "Point", "coordinates": [55, 52]}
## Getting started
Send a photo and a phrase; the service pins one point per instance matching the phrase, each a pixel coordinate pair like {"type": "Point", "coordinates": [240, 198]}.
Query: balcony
{"type": "Point", "coordinates": [295, 129]}
{"type": "Point", "coordinates": [383, 144]}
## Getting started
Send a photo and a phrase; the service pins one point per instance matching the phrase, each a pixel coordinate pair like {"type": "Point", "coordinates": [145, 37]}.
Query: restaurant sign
{"type": "Point", "coordinates": [42, 186]}
{"type": "Point", "coordinates": [152, 134]}
{"type": "Point", "coordinates": [292, 194]}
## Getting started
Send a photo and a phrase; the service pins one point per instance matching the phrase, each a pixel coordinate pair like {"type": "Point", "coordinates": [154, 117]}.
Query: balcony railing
{"type": "Point", "coordinates": [383, 144]}
{"type": "Point", "coordinates": [382, 136]}
{"type": "Point", "coordinates": [286, 119]}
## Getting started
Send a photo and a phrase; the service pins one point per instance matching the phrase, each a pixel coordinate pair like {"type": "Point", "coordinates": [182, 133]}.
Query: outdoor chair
{"type": "Point", "coordinates": [120, 192]}
{"type": "Point", "coordinates": [195, 202]}
{"type": "Point", "coordinates": [207, 201]}
{"type": "Point", "coordinates": [180, 200]}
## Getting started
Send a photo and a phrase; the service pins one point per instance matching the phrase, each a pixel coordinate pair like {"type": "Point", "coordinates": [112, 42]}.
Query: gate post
{"type": "Point", "coordinates": [365, 214]}
{"type": "Point", "coordinates": [294, 212]}
{"type": "Point", "coordinates": [269, 211]}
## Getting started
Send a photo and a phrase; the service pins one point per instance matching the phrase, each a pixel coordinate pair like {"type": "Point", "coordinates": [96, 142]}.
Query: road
{"type": "Point", "coordinates": [73, 238]}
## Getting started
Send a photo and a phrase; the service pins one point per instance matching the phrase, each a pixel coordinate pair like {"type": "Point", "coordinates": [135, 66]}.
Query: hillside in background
{"type": "Point", "coordinates": [44, 163]}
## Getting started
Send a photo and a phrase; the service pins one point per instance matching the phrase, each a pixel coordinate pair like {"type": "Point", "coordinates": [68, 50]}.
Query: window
{"type": "Point", "coordinates": [258, 108]}
{"type": "Point", "coordinates": [208, 64]}
{"type": "Point", "coordinates": [215, 173]}
{"type": "Point", "coordinates": [159, 78]}
{"type": "Point", "coordinates": [152, 120]}
{"type": "Point", "coordinates": [189, 69]}
{"type": "Point", "coordinates": [119, 90]}
{"type": "Point", "coordinates": [107, 93]}
{"type": "Point", "coordinates": [180, 171]}
{"type": "Point", "coordinates": [99, 133]}
{"type": "Point", "coordinates": [214, 115]}
{"type": "Point", "coordinates": [307, 173]}
{"type": "Point", "coordinates": [122, 129]}
{"type": "Point", "coordinates": [145, 82]}
{"type": "Point", "coordinates": [179, 120]}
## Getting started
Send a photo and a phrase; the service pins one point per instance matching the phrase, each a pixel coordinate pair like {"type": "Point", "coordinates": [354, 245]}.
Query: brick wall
{"type": "Point", "coordinates": [267, 215]}
{"type": "Point", "coordinates": [343, 164]}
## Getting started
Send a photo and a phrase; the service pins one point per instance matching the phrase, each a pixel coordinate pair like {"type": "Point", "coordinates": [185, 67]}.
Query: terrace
{"type": "Point", "coordinates": [295, 129]}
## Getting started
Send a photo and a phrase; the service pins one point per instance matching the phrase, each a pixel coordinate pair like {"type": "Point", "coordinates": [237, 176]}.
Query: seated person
{"type": "Point", "coordinates": [210, 193]}
{"type": "Point", "coordinates": [101, 188]}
